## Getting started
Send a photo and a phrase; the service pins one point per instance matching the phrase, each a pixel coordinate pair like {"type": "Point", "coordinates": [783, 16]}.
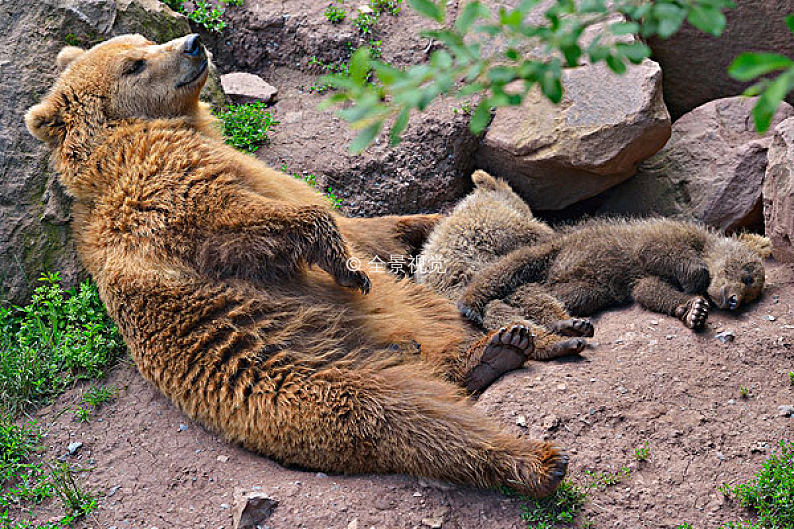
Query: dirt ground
{"type": "Point", "coordinates": [647, 379]}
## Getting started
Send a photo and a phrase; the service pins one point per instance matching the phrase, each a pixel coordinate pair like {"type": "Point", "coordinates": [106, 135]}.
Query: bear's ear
{"type": "Point", "coordinates": [44, 121]}
{"type": "Point", "coordinates": [758, 243]}
{"type": "Point", "coordinates": [67, 55]}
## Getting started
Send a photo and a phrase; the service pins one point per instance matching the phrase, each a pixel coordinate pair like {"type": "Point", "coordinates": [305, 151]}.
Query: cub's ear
{"type": "Point", "coordinates": [483, 180]}
{"type": "Point", "coordinates": [44, 121]}
{"type": "Point", "coordinates": [757, 243]}
{"type": "Point", "coordinates": [67, 55]}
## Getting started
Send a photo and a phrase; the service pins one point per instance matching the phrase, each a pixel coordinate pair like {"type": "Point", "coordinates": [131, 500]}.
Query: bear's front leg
{"type": "Point", "coordinates": [658, 295]}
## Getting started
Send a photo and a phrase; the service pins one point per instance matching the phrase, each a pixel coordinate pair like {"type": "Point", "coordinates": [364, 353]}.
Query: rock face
{"type": "Point", "coordinates": [779, 192]}
{"type": "Point", "coordinates": [242, 87]}
{"type": "Point", "coordinates": [712, 169]}
{"type": "Point", "coordinates": [695, 64]}
{"type": "Point", "coordinates": [558, 155]}
{"type": "Point", "coordinates": [33, 210]}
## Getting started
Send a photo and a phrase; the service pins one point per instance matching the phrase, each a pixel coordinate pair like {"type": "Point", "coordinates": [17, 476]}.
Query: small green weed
{"type": "Point", "coordinates": [641, 454]}
{"type": "Point", "coordinates": [60, 337]}
{"type": "Point", "coordinates": [685, 525]}
{"type": "Point", "coordinates": [559, 508]}
{"type": "Point", "coordinates": [791, 377]}
{"type": "Point", "coordinates": [25, 483]}
{"type": "Point", "coordinates": [365, 22]}
{"type": "Point", "coordinates": [204, 12]}
{"type": "Point", "coordinates": [744, 392]}
{"type": "Point", "coordinates": [246, 126]}
{"type": "Point", "coordinates": [770, 495]}
{"type": "Point", "coordinates": [602, 480]}
{"type": "Point", "coordinates": [92, 400]}
{"type": "Point", "coordinates": [311, 179]}
{"type": "Point", "coordinates": [392, 7]}
{"type": "Point", "coordinates": [335, 13]}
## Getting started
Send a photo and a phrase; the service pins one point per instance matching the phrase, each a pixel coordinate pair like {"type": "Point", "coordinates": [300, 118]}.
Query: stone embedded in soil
{"type": "Point", "coordinates": [252, 509]}
{"type": "Point", "coordinates": [779, 192]}
{"type": "Point", "coordinates": [725, 337]}
{"type": "Point", "coordinates": [243, 87]}
{"type": "Point", "coordinates": [74, 447]}
{"type": "Point", "coordinates": [711, 170]}
{"type": "Point", "coordinates": [785, 410]}
{"type": "Point", "coordinates": [556, 155]}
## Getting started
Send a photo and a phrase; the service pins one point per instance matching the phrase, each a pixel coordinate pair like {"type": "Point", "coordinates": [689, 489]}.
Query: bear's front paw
{"type": "Point", "coordinates": [355, 279]}
{"type": "Point", "coordinates": [693, 313]}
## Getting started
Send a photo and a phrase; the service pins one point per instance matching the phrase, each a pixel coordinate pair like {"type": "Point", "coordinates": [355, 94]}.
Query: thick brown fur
{"type": "Point", "coordinates": [229, 282]}
{"type": "Point", "coordinates": [667, 266]}
{"type": "Point", "coordinates": [488, 224]}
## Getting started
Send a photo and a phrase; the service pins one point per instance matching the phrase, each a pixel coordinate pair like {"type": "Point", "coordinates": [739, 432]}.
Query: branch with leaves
{"type": "Point", "coordinates": [376, 92]}
{"type": "Point", "coordinates": [750, 65]}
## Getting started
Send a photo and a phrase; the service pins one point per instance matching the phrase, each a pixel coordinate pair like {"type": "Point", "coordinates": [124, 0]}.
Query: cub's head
{"type": "Point", "coordinates": [124, 77]}
{"type": "Point", "coordinates": [737, 270]}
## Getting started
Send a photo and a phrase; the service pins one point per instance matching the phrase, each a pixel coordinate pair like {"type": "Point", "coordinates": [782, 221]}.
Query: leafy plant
{"type": "Point", "coordinates": [246, 126]}
{"type": "Point", "coordinates": [504, 78]}
{"type": "Point", "coordinates": [641, 454]}
{"type": "Point", "coordinates": [335, 13]}
{"type": "Point", "coordinates": [685, 525]}
{"type": "Point", "coordinates": [92, 400]}
{"type": "Point", "coordinates": [365, 22]}
{"type": "Point", "coordinates": [25, 483]}
{"type": "Point", "coordinates": [560, 507]}
{"type": "Point", "coordinates": [791, 377]}
{"type": "Point", "coordinates": [770, 494]}
{"type": "Point", "coordinates": [603, 480]}
{"type": "Point", "coordinates": [204, 12]}
{"type": "Point", "coordinates": [744, 392]}
{"type": "Point", "coordinates": [392, 7]}
{"type": "Point", "coordinates": [60, 337]}
{"type": "Point", "coordinates": [751, 65]}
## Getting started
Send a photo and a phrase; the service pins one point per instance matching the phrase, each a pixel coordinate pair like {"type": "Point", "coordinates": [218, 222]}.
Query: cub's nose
{"type": "Point", "coordinates": [192, 45]}
{"type": "Point", "coordinates": [733, 302]}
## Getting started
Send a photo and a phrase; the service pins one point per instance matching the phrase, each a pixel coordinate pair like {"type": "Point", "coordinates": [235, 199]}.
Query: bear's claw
{"type": "Point", "coordinates": [693, 313]}
{"type": "Point", "coordinates": [572, 327]}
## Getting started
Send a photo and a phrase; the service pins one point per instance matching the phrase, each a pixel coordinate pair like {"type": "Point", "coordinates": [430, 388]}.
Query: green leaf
{"type": "Point", "coordinates": [670, 17]}
{"type": "Point", "coordinates": [400, 123]}
{"type": "Point", "coordinates": [749, 65]}
{"type": "Point", "coordinates": [624, 28]}
{"type": "Point", "coordinates": [707, 19]}
{"type": "Point", "coordinates": [790, 22]}
{"type": "Point", "coordinates": [551, 86]}
{"type": "Point", "coordinates": [359, 65]}
{"type": "Point", "coordinates": [572, 54]}
{"type": "Point", "coordinates": [386, 73]}
{"type": "Point", "coordinates": [616, 64]}
{"type": "Point", "coordinates": [471, 12]}
{"type": "Point", "coordinates": [481, 117]}
{"type": "Point", "coordinates": [501, 74]}
{"type": "Point", "coordinates": [770, 99]}
{"type": "Point", "coordinates": [756, 89]}
{"type": "Point", "coordinates": [429, 9]}
{"type": "Point", "coordinates": [635, 52]}
{"type": "Point", "coordinates": [365, 137]}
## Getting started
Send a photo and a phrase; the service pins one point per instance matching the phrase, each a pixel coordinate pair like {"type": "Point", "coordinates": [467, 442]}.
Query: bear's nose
{"type": "Point", "coordinates": [733, 302]}
{"type": "Point", "coordinates": [192, 45]}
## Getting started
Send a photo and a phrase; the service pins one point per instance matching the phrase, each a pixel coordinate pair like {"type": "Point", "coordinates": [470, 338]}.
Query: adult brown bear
{"type": "Point", "coordinates": [204, 258]}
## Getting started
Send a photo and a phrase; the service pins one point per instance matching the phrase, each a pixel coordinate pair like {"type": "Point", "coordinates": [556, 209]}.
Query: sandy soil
{"type": "Point", "coordinates": [647, 379]}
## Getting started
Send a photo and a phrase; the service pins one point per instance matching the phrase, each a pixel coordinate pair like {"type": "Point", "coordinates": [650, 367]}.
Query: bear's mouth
{"type": "Point", "coordinates": [199, 73]}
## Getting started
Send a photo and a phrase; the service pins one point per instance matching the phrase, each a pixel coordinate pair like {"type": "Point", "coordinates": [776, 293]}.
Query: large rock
{"type": "Point", "coordinates": [243, 87]}
{"type": "Point", "coordinates": [712, 169]}
{"type": "Point", "coordinates": [779, 192]}
{"type": "Point", "coordinates": [695, 63]}
{"type": "Point", "coordinates": [605, 125]}
{"type": "Point", "coordinates": [34, 212]}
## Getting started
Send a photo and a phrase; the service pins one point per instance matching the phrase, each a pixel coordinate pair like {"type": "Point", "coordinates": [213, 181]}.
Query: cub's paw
{"type": "Point", "coordinates": [351, 278]}
{"type": "Point", "coordinates": [503, 350]}
{"type": "Point", "coordinates": [573, 346]}
{"type": "Point", "coordinates": [693, 313]}
{"type": "Point", "coordinates": [572, 327]}
{"type": "Point", "coordinates": [540, 474]}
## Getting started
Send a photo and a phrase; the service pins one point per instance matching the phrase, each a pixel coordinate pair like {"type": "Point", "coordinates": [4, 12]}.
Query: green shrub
{"type": "Point", "coordinates": [58, 338]}
{"type": "Point", "coordinates": [770, 495]}
{"type": "Point", "coordinates": [246, 126]}
{"type": "Point", "coordinates": [335, 13]}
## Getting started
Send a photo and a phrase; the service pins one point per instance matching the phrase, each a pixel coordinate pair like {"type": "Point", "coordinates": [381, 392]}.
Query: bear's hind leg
{"type": "Point", "coordinates": [397, 420]}
{"type": "Point", "coordinates": [583, 298]}
{"type": "Point", "coordinates": [658, 295]}
{"type": "Point", "coordinates": [500, 351]}
{"type": "Point", "coordinates": [537, 304]}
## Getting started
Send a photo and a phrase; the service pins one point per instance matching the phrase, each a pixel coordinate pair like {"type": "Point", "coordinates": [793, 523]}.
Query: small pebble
{"type": "Point", "coordinates": [769, 317]}
{"type": "Point", "coordinates": [322, 475]}
{"type": "Point", "coordinates": [182, 427]}
{"type": "Point", "coordinates": [731, 401]}
{"type": "Point", "coordinates": [222, 459]}
{"type": "Point", "coordinates": [622, 390]}
{"type": "Point", "coordinates": [74, 447]}
{"type": "Point", "coordinates": [785, 410]}
{"type": "Point", "coordinates": [417, 494]}
{"type": "Point", "coordinates": [224, 505]}
{"type": "Point", "coordinates": [521, 421]}
{"type": "Point", "coordinates": [725, 337]}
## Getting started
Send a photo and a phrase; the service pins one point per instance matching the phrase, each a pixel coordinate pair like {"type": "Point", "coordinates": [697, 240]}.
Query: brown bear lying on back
{"type": "Point", "coordinates": [204, 258]}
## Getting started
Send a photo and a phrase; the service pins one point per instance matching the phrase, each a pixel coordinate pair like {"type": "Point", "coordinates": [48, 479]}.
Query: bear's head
{"type": "Point", "coordinates": [737, 270]}
{"type": "Point", "coordinates": [126, 77]}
